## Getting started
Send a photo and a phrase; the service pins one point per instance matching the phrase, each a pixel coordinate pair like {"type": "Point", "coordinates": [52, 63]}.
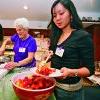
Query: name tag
{"type": "Point", "coordinates": [59, 51]}
{"type": "Point", "coordinates": [22, 49]}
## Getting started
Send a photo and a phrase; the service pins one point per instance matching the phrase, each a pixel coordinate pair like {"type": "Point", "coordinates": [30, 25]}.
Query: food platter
{"type": "Point", "coordinates": [55, 73]}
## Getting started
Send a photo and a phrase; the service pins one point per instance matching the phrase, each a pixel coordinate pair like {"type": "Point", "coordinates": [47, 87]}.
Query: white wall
{"type": "Point", "coordinates": [94, 15]}
{"type": "Point", "coordinates": [86, 8]}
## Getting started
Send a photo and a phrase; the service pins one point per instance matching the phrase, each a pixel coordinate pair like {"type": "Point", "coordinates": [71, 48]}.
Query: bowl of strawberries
{"type": "Point", "coordinates": [30, 86]}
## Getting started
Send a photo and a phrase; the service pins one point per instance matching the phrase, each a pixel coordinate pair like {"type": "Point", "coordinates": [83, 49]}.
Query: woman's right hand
{"type": "Point", "coordinates": [2, 50]}
{"type": "Point", "coordinates": [48, 54]}
{"type": "Point", "coordinates": [43, 64]}
{"type": "Point", "coordinates": [10, 65]}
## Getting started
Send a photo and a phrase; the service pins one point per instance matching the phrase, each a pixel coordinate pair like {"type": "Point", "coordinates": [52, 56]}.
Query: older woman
{"type": "Point", "coordinates": [24, 49]}
{"type": "Point", "coordinates": [24, 46]}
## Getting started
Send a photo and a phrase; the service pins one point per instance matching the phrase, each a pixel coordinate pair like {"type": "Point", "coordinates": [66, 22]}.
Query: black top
{"type": "Point", "coordinates": [78, 52]}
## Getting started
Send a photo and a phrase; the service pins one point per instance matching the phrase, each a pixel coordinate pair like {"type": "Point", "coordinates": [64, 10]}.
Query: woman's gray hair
{"type": "Point", "coordinates": [21, 22]}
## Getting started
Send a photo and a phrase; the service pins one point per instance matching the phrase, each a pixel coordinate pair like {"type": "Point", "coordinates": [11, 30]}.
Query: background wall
{"type": "Point", "coordinates": [86, 8]}
{"type": "Point", "coordinates": [33, 24]}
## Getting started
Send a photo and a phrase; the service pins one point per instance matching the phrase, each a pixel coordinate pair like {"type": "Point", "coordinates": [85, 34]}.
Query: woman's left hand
{"type": "Point", "coordinates": [65, 72]}
{"type": "Point", "coordinates": [10, 65]}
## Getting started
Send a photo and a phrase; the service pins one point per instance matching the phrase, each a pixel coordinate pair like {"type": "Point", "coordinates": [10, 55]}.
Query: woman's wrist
{"type": "Point", "coordinates": [76, 72]}
{"type": "Point", "coordinates": [17, 64]}
{"type": "Point", "coordinates": [73, 72]}
{"type": "Point", "coordinates": [3, 47]}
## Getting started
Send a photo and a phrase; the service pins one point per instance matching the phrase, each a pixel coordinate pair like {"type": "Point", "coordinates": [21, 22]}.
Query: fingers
{"type": "Point", "coordinates": [1, 53]}
{"type": "Point", "coordinates": [9, 66]}
{"type": "Point", "coordinates": [65, 72]}
{"type": "Point", "coordinates": [41, 64]}
{"type": "Point", "coordinates": [51, 52]}
{"type": "Point", "coordinates": [2, 50]}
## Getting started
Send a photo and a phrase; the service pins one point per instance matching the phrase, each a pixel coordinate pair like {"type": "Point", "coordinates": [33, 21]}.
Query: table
{"type": "Point", "coordinates": [90, 91]}
{"type": "Point", "coordinates": [6, 89]}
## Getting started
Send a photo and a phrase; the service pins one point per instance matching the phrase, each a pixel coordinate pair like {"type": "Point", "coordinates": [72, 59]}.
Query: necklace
{"type": "Point", "coordinates": [63, 37]}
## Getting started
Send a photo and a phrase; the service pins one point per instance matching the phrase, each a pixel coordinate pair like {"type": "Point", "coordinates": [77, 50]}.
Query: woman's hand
{"type": "Point", "coordinates": [47, 54]}
{"type": "Point", "coordinates": [10, 65]}
{"type": "Point", "coordinates": [43, 64]}
{"type": "Point", "coordinates": [2, 50]}
{"type": "Point", "coordinates": [65, 73]}
{"type": "Point", "coordinates": [3, 46]}
{"type": "Point", "coordinates": [45, 61]}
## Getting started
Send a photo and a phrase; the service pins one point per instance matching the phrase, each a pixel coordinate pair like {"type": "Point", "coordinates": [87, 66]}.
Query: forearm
{"type": "Point", "coordinates": [27, 60]}
{"type": "Point", "coordinates": [5, 43]}
{"type": "Point", "coordinates": [11, 65]}
{"type": "Point", "coordinates": [81, 72]}
{"type": "Point", "coordinates": [24, 62]}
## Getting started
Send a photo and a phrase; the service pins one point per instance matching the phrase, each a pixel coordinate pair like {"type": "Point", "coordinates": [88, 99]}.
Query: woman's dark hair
{"type": "Point", "coordinates": [1, 33]}
{"type": "Point", "coordinates": [76, 23]}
